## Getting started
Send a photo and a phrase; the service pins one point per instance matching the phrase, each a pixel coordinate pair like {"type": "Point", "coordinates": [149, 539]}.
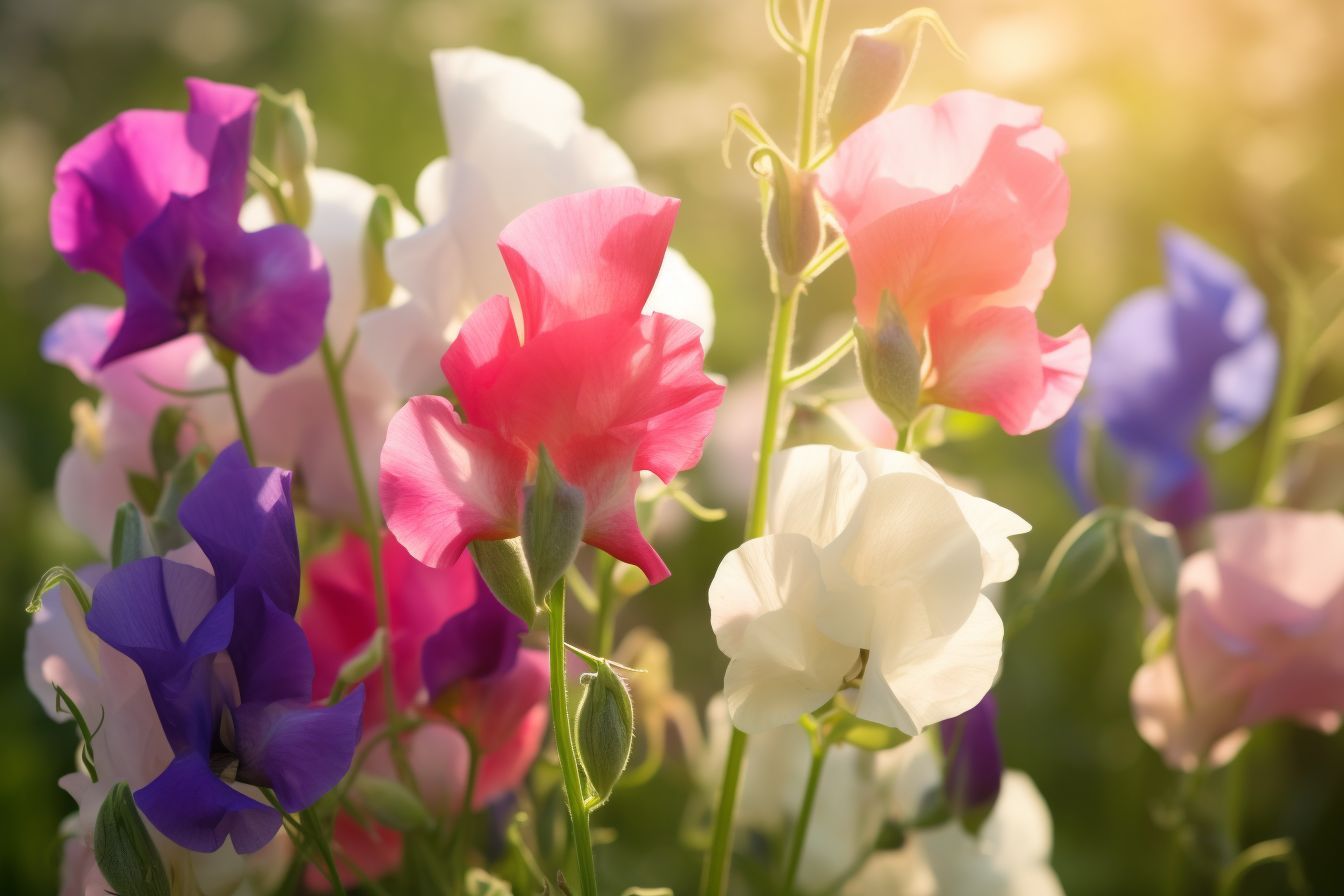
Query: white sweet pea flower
{"type": "Point", "coordinates": [128, 745]}
{"type": "Point", "coordinates": [851, 796]}
{"type": "Point", "coordinates": [1009, 857]}
{"type": "Point", "coordinates": [516, 137]}
{"type": "Point", "coordinates": [865, 551]}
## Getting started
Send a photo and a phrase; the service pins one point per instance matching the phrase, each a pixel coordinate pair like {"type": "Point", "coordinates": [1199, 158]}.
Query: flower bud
{"type": "Point", "coordinates": [392, 803]}
{"type": "Point", "coordinates": [504, 568]}
{"type": "Point", "coordinates": [130, 541]}
{"type": "Point", "coordinates": [123, 849]}
{"type": "Point", "coordinates": [793, 221]}
{"type": "Point", "coordinates": [1082, 556]}
{"type": "Point", "coordinates": [891, 364]}
{"type": "Point", "coordinates": [605, 729]}
{"type": "Point", "coordinates": [1152, 553]}
{"type": "Point", "coordinates": [972, 764]}
{"type": "Point", "coordinates": [360, 666]}
{"type": "Point", "coordinates": [552, 525]}
{"type": "Point", "coordinates": [286, 142]}
{"type": "Point", "coordinates": [378, 229]}
{"type": "Point", "coordinates": [874, 68]}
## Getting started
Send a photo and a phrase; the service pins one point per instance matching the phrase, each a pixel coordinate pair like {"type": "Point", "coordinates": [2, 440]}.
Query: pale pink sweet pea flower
{"type": "Point", "coordinates": [128, 745]}
{"type": "Point", "coordinates": [517, 137]}
{"type": "Point", "coordinates": [952, 211]}
{"type": "Point", "coordinates": [607, 390]}
{"type": "Point", "coordinates": [1258, 637]}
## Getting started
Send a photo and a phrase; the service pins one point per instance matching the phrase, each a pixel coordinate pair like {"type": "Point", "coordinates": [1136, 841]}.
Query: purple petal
{"type": "Point", "coordinates": [1067, 451]}
{"type": "Point", "coordinates": [1243, 389]}
{"type": "Point", "coordinates": [478, 642]}
{"type": "Point", "coordinates": [164, 616]}
{"type": "Point", "coordinates": [972, 762]}
{"type": "Point", "coordinates": [78, 338]}
{"type": "Point", "coordinates": [243, 519]}
{"type": "Point", "coordinates": [271, 657]}
{"type": "Point", "coordinates": [267, 296]}
{"type": "Point", "coordinates": [111, 184]}
{"type": "Point", "coordinates": [198, 811]}
{"type": "Point", "coordinates": [300, 751]}
{"type": "Point", "coordinates": [160, 281]}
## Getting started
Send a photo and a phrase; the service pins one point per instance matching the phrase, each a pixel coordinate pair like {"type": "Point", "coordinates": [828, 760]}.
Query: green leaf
{"type": "Point", "coordinates": [165, 528]}
{"type": "Point", "coordinates": [123, 849]}
{"type": "Point", "coordinates": [130, 541]}
{"type": "Point", "coordinates": [163, 439]}
{"type": "Point", "coordinates": [145, 490]}
{"type": "Point", "coordinates": [866, 735]}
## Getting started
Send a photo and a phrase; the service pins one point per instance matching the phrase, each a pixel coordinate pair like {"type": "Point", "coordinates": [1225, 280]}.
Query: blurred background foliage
{"type": "Point", "coordinates": [1222, 116]}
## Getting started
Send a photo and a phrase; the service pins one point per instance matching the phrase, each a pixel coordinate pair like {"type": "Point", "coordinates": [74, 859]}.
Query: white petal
{"type": "Point", "coordinates": [681, 292]}
{"type": "Point", "coordinates": [404, 342]}
{"type": "Point", "coordinates": [993, 525]}
{"type": "Point", "coordinates": [434, 190]}
{"type": "Point", "coordinates": [912, 686]}
{"type": "Point", "coordinates": [814, 490]}
{"type": "Point", "coordinates": [759, 577]}
{"type": "Point", "coordinates": [476, 87]}
{"type": "Point", "coordinates": [908, 558]}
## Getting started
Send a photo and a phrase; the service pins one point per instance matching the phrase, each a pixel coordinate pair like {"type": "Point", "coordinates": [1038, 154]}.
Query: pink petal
{"type": "Point", "coordinates": [989, 363]}
{"type": "Point", "coordinates": [1064, 363]}
{"type": "Point", "coordinates": [445, 483]}
{"type": "Point", "coordinates": [587, 254]}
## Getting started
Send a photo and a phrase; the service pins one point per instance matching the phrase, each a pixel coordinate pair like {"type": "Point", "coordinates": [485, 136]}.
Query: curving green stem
{"type": "Point", "coordinates": [373, 537]}
{"type": "Point", "coordinates": [230, 365]}
{"type": "Point", "coordinates": [820, 746]}
{"type": "Point", "coordinates": [564, 742]}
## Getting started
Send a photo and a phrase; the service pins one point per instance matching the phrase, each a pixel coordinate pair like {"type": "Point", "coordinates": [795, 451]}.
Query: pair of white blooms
{"type": "Point", "coordinates": [517, 138]}
{"type": "Point", "coordinates": [858, 792]}
{"type": "Point", "coordinates": [865, 551]}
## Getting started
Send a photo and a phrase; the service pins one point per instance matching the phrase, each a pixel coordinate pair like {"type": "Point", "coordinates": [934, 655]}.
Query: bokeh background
{"type": "Point", "coordinates": [1224, 116]}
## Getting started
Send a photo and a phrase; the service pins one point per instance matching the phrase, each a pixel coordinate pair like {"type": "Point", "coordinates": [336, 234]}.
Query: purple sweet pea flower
{"type": "Point", "coordinates": [972, 763]}
{"type": "Point", "coordinates": [1195, 356]}
{"type": "Point", "coordinates": [477, 644]}
{"type": "Point", "coordinates": [151, 201]}
{"type": "Point", "coordinates": [228, 668]}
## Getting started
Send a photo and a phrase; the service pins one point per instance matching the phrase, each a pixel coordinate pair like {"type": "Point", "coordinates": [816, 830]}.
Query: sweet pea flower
{"type": "Point", "coordinates": [607, 390]}
{"type": "Point", "coordinates": [864, 551]}
{"type": "Point", "coordinates": [951, 212]}
{"type": "Point", "coordinates": [128, 744]}
{"type": "Point", "coordinates": [972, 762]}
{"type": "Point", "coordinates": [1193, 357]}
{"type": "Point", "coordinates": [1010, 855]}
{"type": "Point", "coordinates": [227, 668]}
{"type": "Point", "coordinates": [1261, 618]}
{"type": "Point", "coordinates": [112, 440]}
{"type": "Point", "coordinates": [518, 139]}
{"type": "Point", "coordinates": [432, 612]}
{"type": "Point", "coordinates": [150, 200]}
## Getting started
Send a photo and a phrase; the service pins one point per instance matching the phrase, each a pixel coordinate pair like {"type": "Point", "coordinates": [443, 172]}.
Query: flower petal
{"type": "Point", "coordinates": [300, 751]}
{"type": "Point", "coordinates": [196, 810]}
{"type": "Point", "coordinates": [479, 641]}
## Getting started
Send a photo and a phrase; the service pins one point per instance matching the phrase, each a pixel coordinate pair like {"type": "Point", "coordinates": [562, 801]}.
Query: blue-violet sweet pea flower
{"type": "Point", "coordinates": [227, 666]}
{"type": "Point", "coordinates": [1193, 357]}
{"type": "Point", "coordinates": [972, 763]}
{"type": "Point", "coordinates": [151, 199]}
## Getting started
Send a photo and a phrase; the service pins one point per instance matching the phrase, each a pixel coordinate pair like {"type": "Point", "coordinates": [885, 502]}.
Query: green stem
{"type": "Point", "coordinates": [236, 399]}
{"type": "Point", "coordinates": [819, 749]}
{"type": "Point", "coordinates": [373, 538]}
{"type": "Point", "coordinates": [807, 124]}
{"type": "Point", "coordinates": [461, 840]}
{"type": "Point", "coordinates": [781, 342]}
{"type": "Point", "coordinates": [715, 881]}
{"type": "Point", "coordinates": [607, 597]}
{"type": "Point", "coordinates": [810, 370]}
{"type": "Point", "coordinates": [564, 742]}
{"type": "Point", "coordinates": [317, 837]}
{"type": "Point", "coordinates": [1287, 393]}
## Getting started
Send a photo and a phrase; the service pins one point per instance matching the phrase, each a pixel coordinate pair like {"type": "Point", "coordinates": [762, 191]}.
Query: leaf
{"type": "Point", "coordinates": [849, 728]}
{"type": "Point", "coordinates": [130, 541]}
{"type": "Point", "coordinates": [123, 849]}
{"type": "Point", "coordinates": [163, 439]}
{"type": "Point", "coordinates": [165, 527]}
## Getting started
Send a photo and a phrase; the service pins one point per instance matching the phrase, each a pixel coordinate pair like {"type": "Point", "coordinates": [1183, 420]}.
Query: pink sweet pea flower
{"type": "Point", "coordinates": [1258, 634]}
{"type": "Point", "coordinates": [952, 210]}
{"type": "Point", "coordinates": [608, 390]}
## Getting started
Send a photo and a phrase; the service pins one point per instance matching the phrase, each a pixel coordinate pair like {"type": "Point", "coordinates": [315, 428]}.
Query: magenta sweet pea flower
{"type": "Point", "coordinates": [151, 199]}
{"type": "Point", "coordinates": [951, 212]}
{"type": "Point", "coordinates": [227, 667]}
{"type": "Point", "coordinates": [609, 391]}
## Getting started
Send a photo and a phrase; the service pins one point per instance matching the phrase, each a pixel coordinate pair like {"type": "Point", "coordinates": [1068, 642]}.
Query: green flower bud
{"type": "Point", "coordinates": [123, 849]}
{"type": "Point", "coordinates": [1082, 556]}
{"type": "Point", "coordinates": [130, 541]}
{"type": "Point", "coordinates": [378, 229]}
{"type": "Point", "coordinates": [604, 729]}
{"type": "Point", "coordinates": [891, 364]}
{"type": "Point", "coordinates": [392, 803]}
{"type": "Point", "coordinates": [504, 568]}
{"type": "Point", "coordinates": [553, 516]}
{"type": "Point", "coordinates": [1152, 553]}
{"type": "Point", "coordinates": [360, 666]}
{"type": "Point", "coordinates": [793, 222]}
{"type": "Point", "coordinates": [286, 142]}
{"type": "Point", "coordinates": [874, 69]}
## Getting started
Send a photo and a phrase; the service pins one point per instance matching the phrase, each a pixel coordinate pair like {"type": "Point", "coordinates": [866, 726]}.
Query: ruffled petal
{"type": "Point", "coordinates": [299, 751]}
{"type": "Point", "coordinates": [477, 642]}
{"type": "Point", "coordinates": [445, 483]}
{"type": "Point", "coordinates": [587, 254]}
{"type": "Point", "coordinates": [196, 810]}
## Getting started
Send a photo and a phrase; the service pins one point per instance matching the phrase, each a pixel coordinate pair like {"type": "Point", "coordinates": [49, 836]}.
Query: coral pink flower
{"type": "Point", "coordinates": [608, 390]}
{"type": "Point", "coordinates": [952, 210]}
{"type": "Point", "coordinates": [1257, 639]}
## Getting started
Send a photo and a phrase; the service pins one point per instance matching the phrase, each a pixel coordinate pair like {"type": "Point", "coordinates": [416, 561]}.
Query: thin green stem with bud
{"type": "Point", "coordinates": [575, 797]}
